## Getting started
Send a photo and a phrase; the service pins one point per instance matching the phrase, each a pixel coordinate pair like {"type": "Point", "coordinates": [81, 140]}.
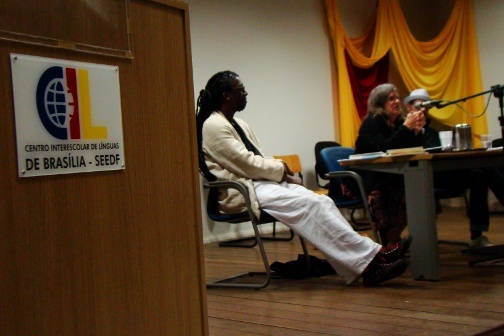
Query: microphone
{"type": "Point", "coordinates": [430, 103]}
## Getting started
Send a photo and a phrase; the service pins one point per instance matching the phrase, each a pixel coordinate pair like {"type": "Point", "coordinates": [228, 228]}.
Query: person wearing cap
{"type": "Point", "coordinates": [476, 180]}
{"type": "Point", "coordinates": [430, 135]}
{"type": "Point", "coordinates": [384, 128]}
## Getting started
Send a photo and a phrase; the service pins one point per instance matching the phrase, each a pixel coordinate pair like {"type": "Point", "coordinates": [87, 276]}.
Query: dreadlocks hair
{"type": "Point", "coordinates": [208, 101]}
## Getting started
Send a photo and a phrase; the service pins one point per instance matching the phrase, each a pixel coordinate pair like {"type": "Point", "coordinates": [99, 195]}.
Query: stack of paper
{"type": "Point", "coordinates": [389, 153]}
{"type": "Point", "coordinates": [367, 155]}
{"type": "Point", "coordinates": [406, 151]}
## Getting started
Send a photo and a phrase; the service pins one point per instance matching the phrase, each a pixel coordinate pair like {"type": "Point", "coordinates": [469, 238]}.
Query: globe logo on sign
{"type": "Point", "coordinates": [56, 98]}
{"type": "Point", "coordinates": [58, 103]}
{"type": "Point", "coordinates": [63, 104]}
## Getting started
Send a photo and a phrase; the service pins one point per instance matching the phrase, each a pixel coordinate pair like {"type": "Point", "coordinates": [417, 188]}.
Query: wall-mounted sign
{"type": "Point", "coordinates": [68, 116]}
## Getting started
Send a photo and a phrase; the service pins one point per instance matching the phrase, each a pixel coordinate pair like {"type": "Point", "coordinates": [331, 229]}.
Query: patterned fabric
{"type": "Point", "coordinates": [349, 192]}
{"type": "Point", "coordinates": [378, 219]}
{"type": "Point", "coordinates": [388, 213]}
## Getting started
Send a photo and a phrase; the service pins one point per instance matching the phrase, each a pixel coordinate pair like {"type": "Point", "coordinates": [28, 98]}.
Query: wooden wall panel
{"type": "Point", "coordinates": [70, 21]}
{"type": "Point", "coordinates": [111, 253]}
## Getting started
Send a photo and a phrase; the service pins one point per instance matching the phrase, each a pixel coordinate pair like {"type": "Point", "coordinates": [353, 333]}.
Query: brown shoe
{"type": "Point", "coordinates": [377, 273]}
{"type": "Point", "coordinates": [391, 253]}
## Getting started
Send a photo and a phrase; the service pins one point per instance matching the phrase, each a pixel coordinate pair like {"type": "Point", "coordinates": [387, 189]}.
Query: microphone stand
{"type": "Point", "coordinates": [498, 92]}
{"type": "Point", "coordinates": [496, 89]}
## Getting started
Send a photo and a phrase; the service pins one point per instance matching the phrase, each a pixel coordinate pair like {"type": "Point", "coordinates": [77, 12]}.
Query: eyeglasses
{"type": "Point", "coordinates": [393, 98]}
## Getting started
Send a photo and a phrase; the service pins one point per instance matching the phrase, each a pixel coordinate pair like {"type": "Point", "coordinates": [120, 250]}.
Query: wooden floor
{"type": "Point", "coordinates": [467, 301]}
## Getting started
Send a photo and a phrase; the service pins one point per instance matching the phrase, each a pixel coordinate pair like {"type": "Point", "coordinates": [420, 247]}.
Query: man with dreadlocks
{"type": "Point", "coordinates": [229, 150]}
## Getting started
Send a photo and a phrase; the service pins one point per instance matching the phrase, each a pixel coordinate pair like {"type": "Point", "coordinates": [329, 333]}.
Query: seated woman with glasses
{"type": "Point", "coordinates": [386, 128]}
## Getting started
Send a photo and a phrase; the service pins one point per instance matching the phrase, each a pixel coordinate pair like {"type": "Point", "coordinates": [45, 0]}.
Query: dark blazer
{"type": "Point", "coordinates": [431, 136]}
{"type": "Point", "coordinates": [376, 135]}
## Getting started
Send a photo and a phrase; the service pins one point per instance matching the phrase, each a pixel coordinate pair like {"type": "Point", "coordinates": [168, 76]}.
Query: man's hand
{"type": "Point", "coordinates": [289, 176]}
{"type": "Point", "coordinates": [415, 121]}
{"type": "Point", "coordinates": [293, 179]}
{"type": "Point", "coordinates": [287, 170]}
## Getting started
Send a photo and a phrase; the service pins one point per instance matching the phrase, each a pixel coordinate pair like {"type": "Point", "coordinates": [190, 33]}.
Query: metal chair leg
{"type": "Point", "coordinates": [267, 273]}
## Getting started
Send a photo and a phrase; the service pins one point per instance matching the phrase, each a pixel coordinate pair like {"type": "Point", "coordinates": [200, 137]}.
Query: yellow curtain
{"type": "Point", "coordinates": [447, 66]}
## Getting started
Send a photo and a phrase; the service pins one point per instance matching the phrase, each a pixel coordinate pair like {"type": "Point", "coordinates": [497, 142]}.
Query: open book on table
{"type": "Point", "coordinates": [367, 156]}
{"type": "Point", "coordinates": [389, 153]}
{"type": "Point", "coordinates": [406, 151]}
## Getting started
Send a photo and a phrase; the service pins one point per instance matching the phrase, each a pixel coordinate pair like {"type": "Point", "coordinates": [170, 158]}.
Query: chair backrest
{"type": "Point", "coordinates": [320, 167]}
{"type": "Point", "coordinates": [292, 161]}
{"type": "Point", "coordinates": [331, 155]}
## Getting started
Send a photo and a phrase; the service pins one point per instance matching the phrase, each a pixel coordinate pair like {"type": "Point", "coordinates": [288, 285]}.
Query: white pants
{"type": "Point", "coordinates": [316, 218]}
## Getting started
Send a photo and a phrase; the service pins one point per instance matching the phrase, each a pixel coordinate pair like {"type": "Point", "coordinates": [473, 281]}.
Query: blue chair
{"type": "Point", "coordinates": [248, 216]}
{"type": "Point", "coordinates": [336, 174]}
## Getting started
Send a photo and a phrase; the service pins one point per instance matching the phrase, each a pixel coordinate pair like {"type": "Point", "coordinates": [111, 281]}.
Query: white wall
{"type": "Point", "coordinates": [281, 51]}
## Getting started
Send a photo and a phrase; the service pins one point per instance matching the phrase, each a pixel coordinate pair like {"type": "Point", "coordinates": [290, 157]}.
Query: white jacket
{"type": "Point", "coordinates": [227, 158]}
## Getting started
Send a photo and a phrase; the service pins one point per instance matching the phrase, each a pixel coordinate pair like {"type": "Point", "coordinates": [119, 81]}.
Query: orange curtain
{"type": "Point", "coordinates": [447, 66]}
